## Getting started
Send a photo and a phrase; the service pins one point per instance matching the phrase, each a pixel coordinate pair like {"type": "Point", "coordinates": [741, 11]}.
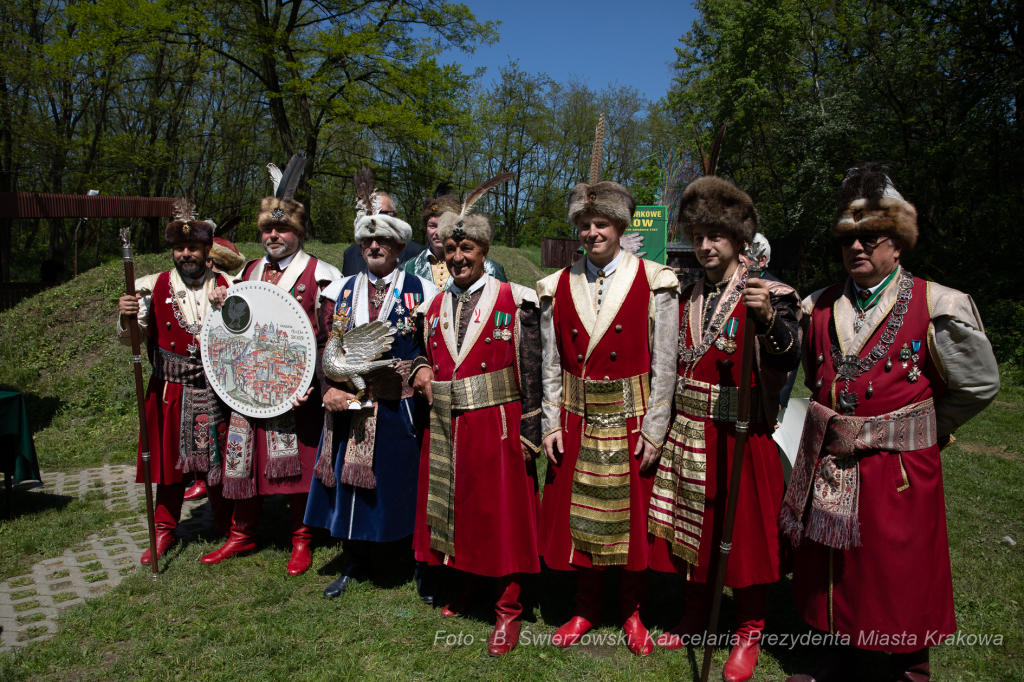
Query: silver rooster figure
{"type": "Point", "coordinates": [351, 355]}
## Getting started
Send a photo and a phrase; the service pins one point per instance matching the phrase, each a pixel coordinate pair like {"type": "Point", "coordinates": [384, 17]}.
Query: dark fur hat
{"type": "Point", "coordinates": [869, 203]}
{"type": "Point", "coordinates": [442, 202]}
{"type": "Point", "coordinates": [184, 227]}
{"type": "Point", "coordinates": [712, 201]}
{"type": "Point", "coordinates": [182, 231]}
{"type": "Point", "coordinates": [608, 199]}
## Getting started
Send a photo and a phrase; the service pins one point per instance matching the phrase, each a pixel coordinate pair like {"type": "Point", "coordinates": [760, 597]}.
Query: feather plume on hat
{"type": "Point", "coordinates": [281, 208]}
{"type": "Point", "coordinates": [713, 201]}
{"type": "Point", "coordinates": [608, 199]}
{"type": "Point", "coordinates": [184, 227]}
{"type": "Point", "coordinates": [468, 225]}
{"type": "Point", "coordinates": [370, 223]}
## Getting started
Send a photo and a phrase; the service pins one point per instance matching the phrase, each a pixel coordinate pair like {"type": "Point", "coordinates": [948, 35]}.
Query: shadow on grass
{"type": "Point", "coordinates": [26, 503]}
{"type": "Point", "coordinates": [41, 409]}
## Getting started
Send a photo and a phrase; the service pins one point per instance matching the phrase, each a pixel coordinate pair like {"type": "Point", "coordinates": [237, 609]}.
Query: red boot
{"type": "Point", "coordinates": [169, 499]}
{"type": "Point", "coordinates": [632, 594]}
{"type": "Point", "coordinates": [242, 539]}
{"type": "Point", "coordinates": [509, 612]}
{"type": "Point", "coordinates": [302, 558]}
{"type": "Point", "coordinates": [695, 617]}
{"type": "Point", "coordinates": [197, 491]}
{"type": "Point", "coordinates": [466, 597]}
{"type": "Point", "coordinates": [590, 582]}
{"type": "Point", "coordinates": [222, 509]}
{"type": "Point", "coordinates": [751, 604]}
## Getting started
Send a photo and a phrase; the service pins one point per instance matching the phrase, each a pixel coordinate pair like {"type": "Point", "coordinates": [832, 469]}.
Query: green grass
{"type": "Point", "coordinates": [247, 619]}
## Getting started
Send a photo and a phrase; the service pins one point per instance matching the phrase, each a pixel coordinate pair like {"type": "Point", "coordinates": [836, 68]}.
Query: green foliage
{"type": "Point", "coordinates": [814, 88]}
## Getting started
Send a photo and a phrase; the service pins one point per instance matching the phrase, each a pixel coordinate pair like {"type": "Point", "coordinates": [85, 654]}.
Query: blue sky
{"type": "Point", "coordinates": [599, 41]}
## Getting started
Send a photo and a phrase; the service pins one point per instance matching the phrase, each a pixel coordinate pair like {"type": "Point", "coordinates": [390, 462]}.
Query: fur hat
{"type": "Point", "coordinates": [712, 201]}
{"type": "Point", "coordinates": [382, 225]}
{"type": "Point", "coordinates": [226, 255]}
{"type": "Point", "coordinates": [370, 222]}
{"type": "Point", "coordinates": [477, 227]}
{"type": "Point", "coordinates": [463, 225]}
{"type": "Point", "coordinates": [608, 199]}
{"type": "Point", "coordinates": [442, 202]}
{"type": "Point", "coordinates": [184, 227]}
{"type": "Point", "coordinates": [282, 208]}
{"type": "Point", "coordinates": [868, 202]}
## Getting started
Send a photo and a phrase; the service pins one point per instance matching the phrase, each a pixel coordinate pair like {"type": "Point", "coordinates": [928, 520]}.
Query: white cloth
{"type": "Point", "coordinates": [455, 289]}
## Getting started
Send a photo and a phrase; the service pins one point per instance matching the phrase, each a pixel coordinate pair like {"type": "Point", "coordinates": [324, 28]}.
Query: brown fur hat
{"type": "Point", "coordinates": [441, 202]}
{"type": "Point", "coordinates": [869, 203]}
{"type": "Point", "coordinates": [608, 199]}
{"type": "Point", "coordinates": [181, 231]}
{"type": "Point", "coordinates": [289, 212]}
{"type": "Point", "coordinates": [226, 255]}
{"type": "Point", "coordinates": [476, 226]}
{"type": "Point", "coordinates": [712, 201]}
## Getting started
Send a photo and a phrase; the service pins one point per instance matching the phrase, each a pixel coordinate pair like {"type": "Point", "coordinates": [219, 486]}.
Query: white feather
{"type": "Point", "coordinates": [275, 176]}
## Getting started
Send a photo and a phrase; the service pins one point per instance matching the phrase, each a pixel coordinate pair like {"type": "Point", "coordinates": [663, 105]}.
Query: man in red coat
{"type": "Point", "coordinates": [477, 504]}
{"type": "Point", "coordinates": [609, 326]}
{"type": "Point", "coordinates": [223, 258]}
{"type": "Point", "coordinates": [186, 422]}
{"type": "Point", "coordinates": [276, 468]}
{"type": "Point", "coordinates": [690, 492]}
{"type": "Point", "coordinates": [895, 364]}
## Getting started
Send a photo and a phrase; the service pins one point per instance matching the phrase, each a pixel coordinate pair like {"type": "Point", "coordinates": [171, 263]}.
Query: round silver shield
{"type": "Point", "coordinates": [258, 350]}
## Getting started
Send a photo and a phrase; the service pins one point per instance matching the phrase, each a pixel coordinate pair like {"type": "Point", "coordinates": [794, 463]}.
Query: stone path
{"type": "Point", "coordinates": [31, 603]}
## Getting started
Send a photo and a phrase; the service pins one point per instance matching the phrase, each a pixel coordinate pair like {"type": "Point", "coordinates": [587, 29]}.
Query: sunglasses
{"type": "Point", "coordinates": [868, 241]}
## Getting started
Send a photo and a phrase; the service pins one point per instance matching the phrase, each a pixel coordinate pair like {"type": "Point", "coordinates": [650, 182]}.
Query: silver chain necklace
{"type": "Point", "coordinates": [852, 366]}
{"type": "Point", "coordinates": [690, 356]}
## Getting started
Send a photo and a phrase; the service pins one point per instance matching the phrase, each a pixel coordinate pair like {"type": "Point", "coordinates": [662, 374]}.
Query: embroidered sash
{"type": "Point", "coordinates": [282, 453]}
{"type": "Point", "coordinates": [827, 468]}
{"type": "Point", "coordinates": [599, 507]}
{"type": "Point", "coordinates": [678, 501]}
{"type": "Point", "coordinates": [201, 415]}
{"type": "Point", "coordinates": [463, 395]}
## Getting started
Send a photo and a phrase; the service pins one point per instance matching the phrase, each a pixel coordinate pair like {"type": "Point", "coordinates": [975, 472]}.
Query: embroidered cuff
{"type": "Point", "coordinates": [419, 363]}
{"type": "Point", "coordinates": [643, 434]}
{"type": "Point", "coordinates": [554, 430]}
{"type": "Point", "coordinates": [778, 339]}
{"type": "Point", "coordinates": [533, 448]}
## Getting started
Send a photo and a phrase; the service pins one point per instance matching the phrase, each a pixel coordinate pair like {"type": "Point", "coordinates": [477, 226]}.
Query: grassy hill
{"type": "Point", "coordinates": [59, 349]}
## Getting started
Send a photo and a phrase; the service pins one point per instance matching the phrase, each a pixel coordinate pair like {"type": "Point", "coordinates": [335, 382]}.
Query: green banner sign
{"type": "Point", "coordinates": [650, 224]}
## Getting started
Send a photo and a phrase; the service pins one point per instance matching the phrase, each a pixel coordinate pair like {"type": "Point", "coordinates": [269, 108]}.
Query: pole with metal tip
{"type": "Point", "coordinates": [140, 394]}
{"type": "Point", "coordinates": [742, 424]}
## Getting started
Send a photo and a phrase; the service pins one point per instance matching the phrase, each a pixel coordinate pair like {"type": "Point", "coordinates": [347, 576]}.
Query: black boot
{"type": "Point", "coordinates": [357, 566]}
{"type": "Point", "coordinates": [426, 582]}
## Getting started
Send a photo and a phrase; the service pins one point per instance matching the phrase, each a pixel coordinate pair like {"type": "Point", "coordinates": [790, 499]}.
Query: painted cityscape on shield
{"type": "Point", "coordinates": [260, 367]}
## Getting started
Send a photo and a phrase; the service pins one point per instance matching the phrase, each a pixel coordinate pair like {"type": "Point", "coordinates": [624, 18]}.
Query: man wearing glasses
{"type": "Point", "coordinates": [353, 262]}
{"type": "Point", "coordinates": [895, 364]}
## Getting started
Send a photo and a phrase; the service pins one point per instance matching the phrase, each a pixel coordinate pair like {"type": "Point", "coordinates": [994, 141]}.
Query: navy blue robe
{"type": "Point", "coordinates": [388, 512]}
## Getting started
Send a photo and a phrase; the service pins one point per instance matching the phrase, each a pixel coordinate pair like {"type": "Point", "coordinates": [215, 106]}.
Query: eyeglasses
{"type": "Point", "coordinates": [868, 241]}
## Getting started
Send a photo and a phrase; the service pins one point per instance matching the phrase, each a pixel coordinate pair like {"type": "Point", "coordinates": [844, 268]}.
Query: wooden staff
{"type": "Point", "coordinates": [140, 394]}
{"type": "Point", "coordinates": [742, 423]}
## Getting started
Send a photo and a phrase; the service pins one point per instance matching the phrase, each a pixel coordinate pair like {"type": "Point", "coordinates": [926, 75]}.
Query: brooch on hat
{"type": "Point", "coordinates": [278, 214]}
